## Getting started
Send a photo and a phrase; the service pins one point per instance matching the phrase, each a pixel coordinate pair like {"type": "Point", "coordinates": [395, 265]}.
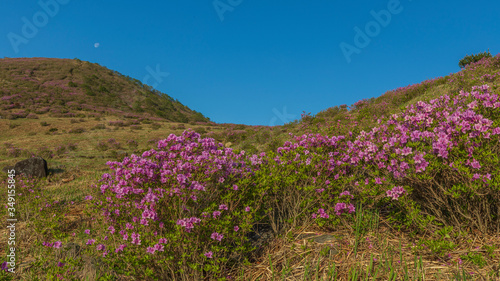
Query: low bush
{"type": "Point", "coordinates": [14, 151]}
{"type": "Point", "coordinates": [200, 130]}
{"type": "Point", "coordinates": [32, 116]}
{"type": "Point", "coordinates": [45, 152]}
{"type": "Point", "coordinates": [132, 144]}
{"type": "Point", "coordinates": [135, 127]}
{"type": "Point", "coordinates": [76, 131]}
{"type": "Point", "coordinates": [155, 126]}
{"type": "Point", "coordinates": [99, 127]}
{"type": "Point", "coordinates": [114, 144]}
{"type": "Point", "coordinates": [468, 59]}
{"type": "Point", "coordinates": [102, 146]}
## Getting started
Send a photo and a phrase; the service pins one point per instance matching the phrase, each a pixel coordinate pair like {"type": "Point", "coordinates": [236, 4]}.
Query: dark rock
{"type": "Point", "coordinates": [32, 167]}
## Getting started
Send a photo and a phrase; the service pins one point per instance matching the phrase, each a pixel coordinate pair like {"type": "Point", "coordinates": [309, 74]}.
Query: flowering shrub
{"type": "Point", "coordinates": [166, 200]}
{"type": "Point", "coordinates": [132, 144]}
{"type": "Point", "coordinates": [14, 151]}
{"type": "Point", "coordinates": [102, 146]}
{"type": "Point", "coordinates": [32, 116]}
{"type": "Point", "coordinates": [116, 123]}
{"type": "Point", "coordinates": [114, 144]}
{"type": "Point", "coordinates": [72, 146]}
{"type": "Point", "coordinates": [60, 150]}
{"type": "Point", "coordinates": [45, 152]}
{"type": "Point", "coordinates": [186, 208]}
{"type": "Point", "coordinates": [135, 127]}
{"type": "Point", "coordinates": [76, 131]}
{"type": "Point", "coordinates": [473, 58]}
{"type": "Point", "coordinates": [99, 127]}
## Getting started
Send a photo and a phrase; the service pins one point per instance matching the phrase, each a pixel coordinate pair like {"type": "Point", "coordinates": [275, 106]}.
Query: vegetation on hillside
{"type": "Point", "coordinates": [468, 59]}
{"type": "Point", "coordinates": [74, 88]}
{"type": "Point", "coordinates": [399, 187]}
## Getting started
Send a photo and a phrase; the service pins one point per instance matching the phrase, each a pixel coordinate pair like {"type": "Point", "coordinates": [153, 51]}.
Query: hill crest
{"type": "Point", "coordinates": [71, 87]}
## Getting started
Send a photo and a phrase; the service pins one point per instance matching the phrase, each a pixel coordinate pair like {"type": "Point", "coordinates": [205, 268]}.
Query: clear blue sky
{"type": "Point", "coordinates": [249, 60]}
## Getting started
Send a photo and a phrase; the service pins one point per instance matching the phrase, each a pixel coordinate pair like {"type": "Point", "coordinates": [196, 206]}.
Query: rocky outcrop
{"type": "Point", "coordinates": [35, 167]}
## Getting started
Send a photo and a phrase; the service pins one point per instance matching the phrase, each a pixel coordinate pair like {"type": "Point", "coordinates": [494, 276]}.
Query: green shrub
{"type": "Point", "coordinates": [263, 137]}
{"type": "Point", "coordinates": [14, 151]}
{"type": "Point", "coordinates": [468, 59]}
{"type": "Point", "coordinates": [32, 116]}
{"type": "Point", "coordinates": [60, 150]}
{"type": "Point", "coordinates": [76, 131]}
{"type": "Point", "coordinates": [45, 152]}
{"type": "Point", "coordinates": [102, 146]}
{"type": "Point", "coordinates": [115, 144]}
{"type": "Point", "coordinates": [273, 145]}
{"type": "Point", "coordinates": [99, 127]}
{"type": "Point", "coordinates": [72, 146]}
{"type": "Point", "coordinates": [132, 144]}
{"type": "Point", "coordinates": [178, 127]}
{"type": "Point", "coordinates": [155, 126]}
{"type": "Point", "coordinates": [200, 130]}
{"type": "Point", "coordinates": [103, 89]}
{"type": "Point", "coordinates": [135, 127]}
{"type": "Point", "coordinates": [153, 141]}
{"type": "Point", "coordinates": [118, 154]}
{"type": "Point", "coordinates": [249, 148]}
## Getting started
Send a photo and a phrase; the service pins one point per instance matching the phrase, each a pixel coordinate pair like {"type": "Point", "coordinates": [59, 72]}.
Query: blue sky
{"type": "Point", "coordinates": [258, 62]}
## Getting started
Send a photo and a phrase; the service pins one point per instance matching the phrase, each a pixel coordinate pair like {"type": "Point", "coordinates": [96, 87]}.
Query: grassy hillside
{"type": "Point", "coordinates": [399, 187]}
{"type": "Point", "coordinates": [72, 88]}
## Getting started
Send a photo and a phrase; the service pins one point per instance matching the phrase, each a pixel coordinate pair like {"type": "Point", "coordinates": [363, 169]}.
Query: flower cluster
{"type": "Point", "coordinates": [396, 192]}
{"type": "Point", "coordinates": [188, 224]}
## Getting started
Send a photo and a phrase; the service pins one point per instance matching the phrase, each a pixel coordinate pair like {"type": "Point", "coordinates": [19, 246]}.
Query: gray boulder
{"type": "Point", "coordinates": [32, 167]}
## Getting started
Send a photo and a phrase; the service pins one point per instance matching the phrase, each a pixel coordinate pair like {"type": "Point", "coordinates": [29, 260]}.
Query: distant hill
{"type": "Point", "coordinates": [73, 88]}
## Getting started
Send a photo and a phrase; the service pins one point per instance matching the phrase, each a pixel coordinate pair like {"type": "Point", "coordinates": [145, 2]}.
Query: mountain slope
{"type": "Point", "coordinates": [364, 114]}
{"type": "Point", "coordinates": [66, 87]}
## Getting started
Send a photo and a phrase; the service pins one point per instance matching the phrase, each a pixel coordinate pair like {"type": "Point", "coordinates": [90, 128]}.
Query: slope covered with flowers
{"type": "Point", "coordinates": [427, 155]}
{"type": "Point", "coordinates": [187, 208]}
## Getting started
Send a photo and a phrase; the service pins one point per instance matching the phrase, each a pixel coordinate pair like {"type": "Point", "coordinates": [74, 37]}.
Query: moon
{"type": "Point", "coordinates": [96, 45]}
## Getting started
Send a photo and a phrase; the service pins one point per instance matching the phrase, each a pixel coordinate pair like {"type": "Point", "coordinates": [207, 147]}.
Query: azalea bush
{"type": "Point", "coordinates": [184, 210]}
{"type": "Point", "coordinates": [179, 211]}
{"type": "Point", "coordinates": [448, 142]}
